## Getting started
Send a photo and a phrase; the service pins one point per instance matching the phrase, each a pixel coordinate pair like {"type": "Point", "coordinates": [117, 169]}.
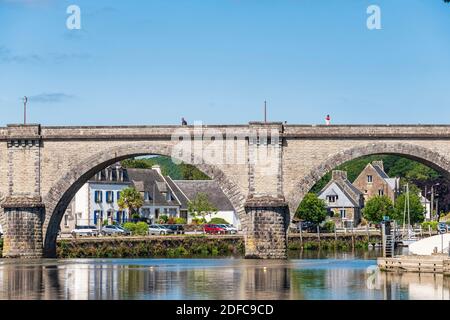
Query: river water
{"type": "Point", "coordinates": [306, 275]}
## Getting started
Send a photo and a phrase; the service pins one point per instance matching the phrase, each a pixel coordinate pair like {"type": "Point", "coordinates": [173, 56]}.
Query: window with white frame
{"type": "Point", "coordinates": [381, 192]}
{"type": "Point", "coordinates": [343, 213]}
{"type": "Point", "coordinates": [369, 179]}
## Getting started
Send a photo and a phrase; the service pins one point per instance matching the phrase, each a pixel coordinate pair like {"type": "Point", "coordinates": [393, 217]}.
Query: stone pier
{"type": "Point", "coordinates": [23, 234]}
{"type": "Point", "coordinates": [266, 237]}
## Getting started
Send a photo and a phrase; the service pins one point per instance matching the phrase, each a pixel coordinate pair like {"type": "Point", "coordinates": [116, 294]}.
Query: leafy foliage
{"type": "Point", "coordinates": [395, 166]}
{"type": "Point", "coordinates": [328, 226]}
{"type": "Point", "coordinates": [312, 209]}
{"type": "Point", "coordinates": [163, 219]}
{"type": "Point", "coordinates": [131, 200]}
{"type": "Point", "coordinates": [180, 220]}
{"type": "Point", "coordinates": [201, 206]}
{"type": "Point", "coordinates": [416, 208]}
{"type": "Point", "coordinates": [189, 172]}
{"type": "Point", "coordinates": [429, 224]}
{"type": "Point", "coordinates": [217, 220]}
{"type": "Point", "coordinates": [181, 171]}
{"type": "Point", "coordinates": [136, 229]}
{"type": "Point", "coordinates": [378, 207]}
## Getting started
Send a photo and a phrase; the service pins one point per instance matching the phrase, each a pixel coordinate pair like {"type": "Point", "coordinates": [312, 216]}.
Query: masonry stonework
{"type": "Point", "coordinates": [41, 168]}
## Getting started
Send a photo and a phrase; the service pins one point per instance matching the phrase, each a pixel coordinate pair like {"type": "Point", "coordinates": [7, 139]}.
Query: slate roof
{"type": "Point", "coordinates": [178, 193]}
{"type": "Point", "coordinates": [380, 172]}
{"type": "Point", "coordinates": [151, 181]}
{"type": "Point", "coordinates": [191, 188]}
{"type": "Point", "coordinates": [349, 190]}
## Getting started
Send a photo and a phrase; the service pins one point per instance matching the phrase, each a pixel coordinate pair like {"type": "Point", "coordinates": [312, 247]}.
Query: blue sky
{"type": "Point", "coordinates": [152, 62]}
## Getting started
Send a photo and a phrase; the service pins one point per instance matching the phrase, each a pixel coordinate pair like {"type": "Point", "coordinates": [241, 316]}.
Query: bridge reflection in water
{"type": "Point", "coordinates": [212, 279]}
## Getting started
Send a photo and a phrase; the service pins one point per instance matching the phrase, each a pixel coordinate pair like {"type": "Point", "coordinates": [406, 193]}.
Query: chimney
{"type": "Point", "coordinates": [338, 175]}
{"type": "Point", "coordinates": [378, 164]}
{"type": "Point", "coordinates": [157, 168]}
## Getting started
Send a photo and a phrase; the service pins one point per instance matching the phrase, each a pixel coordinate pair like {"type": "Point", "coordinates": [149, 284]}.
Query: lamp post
{"type": "Point", "coordinates": [25, 100]}
{"type": "Point", "coordinates": [433, 194]}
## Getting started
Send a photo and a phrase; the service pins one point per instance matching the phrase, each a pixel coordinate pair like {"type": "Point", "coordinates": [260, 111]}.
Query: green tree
{"type": "Point", "coordinates": [189, 172]}
{"type": "Point", "coordinates": [131, 200]}
{"type": "Point", "coordinates": [312, 209]}
{"type": "Point", "coordinates": [201, 206]}
{"type": "Point", "coordinates": [416, 208]}
{"type": "Point", "coordinates": [378, 207]}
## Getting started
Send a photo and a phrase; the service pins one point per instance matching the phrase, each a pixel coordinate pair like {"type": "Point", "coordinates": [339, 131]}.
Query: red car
{"type": "Point", "coordinates": [213, 229]}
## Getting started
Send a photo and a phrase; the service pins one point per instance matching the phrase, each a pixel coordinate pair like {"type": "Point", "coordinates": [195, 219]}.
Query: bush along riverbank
{"type": "Point", "coordinates": [195, 246]}
{"type": "Point", "coordinates": [341, 242]}
{"type": "Point", "coordinates": [155, 247]}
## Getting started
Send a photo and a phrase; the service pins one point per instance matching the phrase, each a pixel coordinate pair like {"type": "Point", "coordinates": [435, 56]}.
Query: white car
{"type": "Point", "coordinates": [80, 231]}
{"type": "Point", "coordinates": [158, 229]}
{"type": "Point", "coordinates": [1, 231]}
{"type": "Point", "coordinates": [229, 228]}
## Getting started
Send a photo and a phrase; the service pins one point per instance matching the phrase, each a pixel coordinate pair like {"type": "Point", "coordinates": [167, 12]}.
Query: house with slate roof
{"type": "Point", "coordinates": [191, 188]}
{"type": "Point", "coordinates": [96, 201]}
{"type": "Point", "coordinates": [373, 181]}
{"type": "Point", "coordinates": [343, 200]}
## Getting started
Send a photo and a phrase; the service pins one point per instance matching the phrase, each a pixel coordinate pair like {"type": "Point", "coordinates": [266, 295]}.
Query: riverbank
{"type": "Point", "coordinates": [197, 245]}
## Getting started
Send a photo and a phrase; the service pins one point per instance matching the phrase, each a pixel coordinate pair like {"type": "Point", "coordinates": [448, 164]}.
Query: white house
{"type": "Point", "coordinates": [427, 205]}
{"type": "Point", "coordinates": [191, 188]}
{"type": "Point", "coordinates": [97, 200]}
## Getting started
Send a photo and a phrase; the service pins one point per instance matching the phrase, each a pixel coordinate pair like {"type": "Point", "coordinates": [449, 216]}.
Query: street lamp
{"type": "Point", "coordinates": [433, 194]}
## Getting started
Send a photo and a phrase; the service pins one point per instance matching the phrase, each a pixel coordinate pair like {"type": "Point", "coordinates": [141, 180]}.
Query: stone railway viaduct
{"type": "Point", "coordinates": [264, 175]}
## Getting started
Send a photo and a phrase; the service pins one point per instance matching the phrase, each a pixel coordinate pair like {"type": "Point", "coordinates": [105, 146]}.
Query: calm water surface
{"type": "Point", "coordinates": [307, 275]}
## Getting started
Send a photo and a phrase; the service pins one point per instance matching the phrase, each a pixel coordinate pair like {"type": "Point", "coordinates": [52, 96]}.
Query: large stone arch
{"type": "Point", "coordinates": [415, 152]}
{"type": "Point", "coordinates": [63, 190]}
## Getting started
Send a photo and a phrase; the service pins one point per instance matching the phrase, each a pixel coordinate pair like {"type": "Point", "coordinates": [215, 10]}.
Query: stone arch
{"type": "Point", "coordinates": [414, 152]}
{"type": "Point", "coordinates": [62, 191]}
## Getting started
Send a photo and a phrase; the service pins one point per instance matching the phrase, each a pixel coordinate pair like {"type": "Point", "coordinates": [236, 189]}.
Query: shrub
{"type": "Point", "coordinates": [163, 219]}
{"type": "Point", "coordinates": [130, 226]}
{"type": "Point", "coordinates": [328, 226]}
{"type": "Point", "coordinates": [217, 220]}
{"type": "Point", "coordinates": [198, 221]}
{"type": "Point", "coordinates": [105, 222]}
{"type": "Point", "coordinates": [141, 229]}
{"type": "Point", "coordinates": [432, 224]}
{"type": "Point", "coordinates": [180, 221]}
{"type": "Point", "coordinates": [171, 220]}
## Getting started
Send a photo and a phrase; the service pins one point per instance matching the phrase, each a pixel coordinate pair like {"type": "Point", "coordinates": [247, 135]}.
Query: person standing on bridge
{"type": "Point", "coordinates": [183, 122]}
{"type": "Point", "coordinates": [328, 120]}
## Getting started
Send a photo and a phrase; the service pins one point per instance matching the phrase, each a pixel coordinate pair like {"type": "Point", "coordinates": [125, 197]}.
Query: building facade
{"type": "Point", "coordinates": [373, 181]}
{"type": "Point", "coordinates": [343, 200]}
{"type": "Point", "coordinates": [96, 202]}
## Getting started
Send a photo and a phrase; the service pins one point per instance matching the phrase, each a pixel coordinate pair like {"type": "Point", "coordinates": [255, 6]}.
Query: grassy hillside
{"type": "Point", "coordinates": [395, 166]}
{"type": "Point", "coordinates": [181, 171]}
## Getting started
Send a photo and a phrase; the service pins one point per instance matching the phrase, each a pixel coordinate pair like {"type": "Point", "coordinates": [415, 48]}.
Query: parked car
{"type": "Point", "coordinates": [213, 229]}
{"type": "Point", "coordinates": [159, 229]}
{"type": "Point", "coordinates": [176, 228]}
{"type": "Point", "coordinates": [442, 227]}
{"type": "Point", "coordinates": [307, 226]}
{"type": "Point", "coordinates": [229, 228]}
{"type": "Point", "coordinates": [115, 230]}
{"type": "Point", "coordinates": [80, 231]}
